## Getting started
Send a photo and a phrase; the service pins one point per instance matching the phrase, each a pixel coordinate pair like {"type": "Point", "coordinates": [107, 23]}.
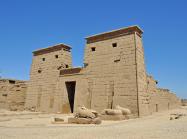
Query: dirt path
{"type": "Point", "coordinates": [157, 126]}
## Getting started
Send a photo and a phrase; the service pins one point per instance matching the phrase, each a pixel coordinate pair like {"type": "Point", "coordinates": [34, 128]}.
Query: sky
{"type": "Point", "coordinates": [27, 25]}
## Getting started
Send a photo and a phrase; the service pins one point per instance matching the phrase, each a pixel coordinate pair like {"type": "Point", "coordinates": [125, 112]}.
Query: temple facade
{"type": "Point", "coordinates": [114, 73]}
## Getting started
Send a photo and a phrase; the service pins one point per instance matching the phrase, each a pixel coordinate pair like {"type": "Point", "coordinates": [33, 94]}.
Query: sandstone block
{"type": "Point", "coordinates": [73, 120]}
{"type": "Point", "coordinates": [125, 111]}
{"type": "Point", "coordinates": [112, 112]}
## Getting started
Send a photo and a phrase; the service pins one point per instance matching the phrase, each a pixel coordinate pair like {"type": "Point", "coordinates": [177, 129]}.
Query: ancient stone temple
{"type": "Point", "coordinates": [113, 74]}
{"type": "Point", "coordinates": [44, 76]}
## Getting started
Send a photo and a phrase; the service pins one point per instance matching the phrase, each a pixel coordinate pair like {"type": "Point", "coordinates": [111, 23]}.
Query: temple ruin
{"type": "Point", "coordinates": [12, 94]}
{"type": "Point", "coordinates": [113, 74]}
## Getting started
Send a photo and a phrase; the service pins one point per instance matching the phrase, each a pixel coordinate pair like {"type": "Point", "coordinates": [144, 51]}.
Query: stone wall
{"type": "Point", "coordinates": [163, 100]}
{"type": "Point", "coordinates": [143, 96]}
{"type": "Point", "coordinates": [82, 92]}
{"type": "Point", "coordinates": [44, 76]}
{"type": "Point", "coordinates": [109, 77]}
{"type": "Point", "coordinates": [160, 99]}
{"type": "Point", "coordinates": [184, 102]}
{"type": "Point", "coordinates": [12, 94]}
{"type": "Point", "coordinates": [112, 72]}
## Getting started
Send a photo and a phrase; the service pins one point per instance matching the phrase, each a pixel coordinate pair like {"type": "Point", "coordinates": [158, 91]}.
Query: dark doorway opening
{"type": "Point", "coordinates": [70, 86]}
{"type": "Point", "coordinates": [156, 107]}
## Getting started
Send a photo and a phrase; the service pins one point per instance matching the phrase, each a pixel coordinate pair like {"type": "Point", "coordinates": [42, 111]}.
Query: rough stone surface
{"type": "Point", "coordinates": [124, 111]}
{"type": "Point", "coordinates": [83, 112]}
{"type": "Point", "coordinates": [73, 120]}
{"type": "Point", "coordinates": [112, 112]}
{"type": "Point", "coordinates": [12, 94]}
{"type": "Point", "coordinates": [161, 99]}
{"type": "Point", "coordinates": [113, 74]}
{"type": "Point", "coordinates": [184, 102]}
{"type": "Point", "coordinates": [44, 76]}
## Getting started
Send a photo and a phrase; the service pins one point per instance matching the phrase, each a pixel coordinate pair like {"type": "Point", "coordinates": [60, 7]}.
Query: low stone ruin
{"type": "Point", "coordinates": [85, 116]}
{"type": "Point", "coordinates": [116, 114]}
{"type": "Point", "coordinates": [184, 102]}
{"type": "Point", "coordinates": [174, 116]}
{"type": "Point", "coordinates": [12, 94]}
{"type": "Point", "coordinates": [88, 116]}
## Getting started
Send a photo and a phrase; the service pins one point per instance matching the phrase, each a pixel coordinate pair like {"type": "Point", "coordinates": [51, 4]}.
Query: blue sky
{"type": "Point", "coordinates": [26, 25]}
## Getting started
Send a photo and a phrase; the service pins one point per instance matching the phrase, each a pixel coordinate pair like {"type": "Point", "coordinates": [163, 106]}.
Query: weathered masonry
{"type": "Point", "coordinates": [44, 76]}
{"type": "Point", "coordinates": [113, 74]}
{"type": "Point", "coordinates": [12, 94]}
{"type": "Point", "coordinates": [184, 102]}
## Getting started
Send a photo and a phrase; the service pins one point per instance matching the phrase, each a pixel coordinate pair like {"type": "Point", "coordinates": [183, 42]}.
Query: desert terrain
{"type": "Point", "coordinates": [32, 125]}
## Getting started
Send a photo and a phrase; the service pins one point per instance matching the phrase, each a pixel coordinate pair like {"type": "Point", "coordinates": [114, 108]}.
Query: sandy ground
{"type": "Point", "coordinates": [28, 125]}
